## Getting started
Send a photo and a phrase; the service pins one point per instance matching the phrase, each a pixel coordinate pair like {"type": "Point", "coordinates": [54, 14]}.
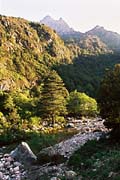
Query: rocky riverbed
{"type": "Point", "coordinates": [51, 162]}
{"type": "Point", "coordinates": [11, 169]}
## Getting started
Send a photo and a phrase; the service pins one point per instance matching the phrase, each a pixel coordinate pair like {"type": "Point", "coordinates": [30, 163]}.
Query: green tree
{"type": "Point", "coordinates": [53, 102]}
{"type": "Point", "coordinates": [79, 104]}
{"type": "Point", "coordinates": [109, 98]}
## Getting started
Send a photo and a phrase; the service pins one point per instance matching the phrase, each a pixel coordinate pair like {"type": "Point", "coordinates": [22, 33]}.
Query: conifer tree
{"type": "Point", "coordinates": [109, 99]}
{"type": "Point", "coordinates": [53, 102]}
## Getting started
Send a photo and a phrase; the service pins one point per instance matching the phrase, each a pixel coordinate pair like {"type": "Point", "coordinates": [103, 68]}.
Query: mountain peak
{"type": "Point", "coordinates": [61, 19]}
{"type": "Point", "coordinates": [97, 27]}
{"type": "Point", "coordinates": [60, 26]}
{"type": "Point", "coordinates": [47, 18]}
{"type": "Point", "coordinates": [111, 39]}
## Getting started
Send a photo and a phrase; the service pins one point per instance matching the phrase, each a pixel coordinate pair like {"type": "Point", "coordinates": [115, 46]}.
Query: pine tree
{"type": "Point", "coordinates": [53, 103]}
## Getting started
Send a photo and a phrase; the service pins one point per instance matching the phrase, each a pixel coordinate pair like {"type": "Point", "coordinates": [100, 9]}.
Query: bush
{"type": "Point", "coordinates": [79, 104]}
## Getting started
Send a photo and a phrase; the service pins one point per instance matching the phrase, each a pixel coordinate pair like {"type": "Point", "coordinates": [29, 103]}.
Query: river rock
{"type": "Point", "coordinates": [55, 178]}
{"type": "Point", "coordinates": [1, 175]}
{"type": "Point", "coordinates": [24, 154]}
{"type": "Point", "coordinates": [70, 175]}
{"type": "Point", "coordinates": [70, 125]}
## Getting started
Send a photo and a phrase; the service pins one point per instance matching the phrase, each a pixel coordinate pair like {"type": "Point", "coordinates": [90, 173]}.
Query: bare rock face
{"type": "Point", "coordinates": [24, 154]}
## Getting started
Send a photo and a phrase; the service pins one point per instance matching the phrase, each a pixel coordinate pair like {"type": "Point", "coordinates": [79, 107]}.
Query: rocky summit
{"type": "Point", "coordinates": [59, 26]}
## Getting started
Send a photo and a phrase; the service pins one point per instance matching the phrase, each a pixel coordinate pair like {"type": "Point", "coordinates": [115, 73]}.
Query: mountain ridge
{"type": "Point", "coordinates": [60, 26]}
{"type": "Point", "coordinates": [110, 38]}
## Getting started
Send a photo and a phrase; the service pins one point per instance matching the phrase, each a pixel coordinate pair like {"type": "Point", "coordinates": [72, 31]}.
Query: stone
{"type": "Point", "coordinates": [1, 165]}
{"type": "Point", "coordinates": [1, 155]}
{"type": "Point", "coordinates": [9, 159]}
{"type": "Point", "coordinates": [11, 170]}
{"type": "Point", "coordinates": [79, 177]}
{"type": "Point", "coordinates": [17, 164]}
{"type": "Point", "coordinates": [94, 170]}
{"type": "Point", "coordinates": [1, 175]}
{"type": "Point", "coordinates": [24, 154]}
{"type": "Point", "coordinates": [7, 177]}
{"type": "Point", "coordinates": [55, 178]}
{"type": "Point", "coordinates": [7, 164]}
{"type": "Point", "coordinates": [70, 175]}
{"type": "Point", "coordinates": [6, 155]}
{"type": "Point", "coordinates": [110, 174]}
{"type": "Point", "coordinates": [18, 178]}
{"type": "Point", "coordinates": [16, 168]}
{"type": "Point", "coordinates": [70, 125]}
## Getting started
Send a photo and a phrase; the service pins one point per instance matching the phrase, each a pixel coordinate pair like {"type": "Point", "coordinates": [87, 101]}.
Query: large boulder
{"type": "Point", "coordinates": [24, 154]}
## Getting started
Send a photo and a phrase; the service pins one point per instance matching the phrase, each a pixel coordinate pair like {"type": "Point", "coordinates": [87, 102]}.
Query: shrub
{"type": "Point", "coordinates": [79, 104]}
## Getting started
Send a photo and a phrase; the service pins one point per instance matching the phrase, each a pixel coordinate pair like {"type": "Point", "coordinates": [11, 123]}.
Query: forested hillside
{"type": "Point", "coordinates": [26, 49]}
{"type": "Point", "coordinates": [86, 72]}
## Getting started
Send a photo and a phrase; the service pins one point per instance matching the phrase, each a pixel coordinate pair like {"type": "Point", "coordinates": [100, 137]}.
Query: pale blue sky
{"type": "Point", "coordinates": [82, 15]}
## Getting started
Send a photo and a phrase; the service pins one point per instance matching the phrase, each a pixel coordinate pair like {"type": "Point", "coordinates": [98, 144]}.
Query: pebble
{"type": "Point", "coordinates": [1, 175]}
{"type": "Point", "coordinates": [11, 169]}
{"type": "Point", "coordinates": [55, 178]}
{"type": "Point", "coordinates": [70, 175]}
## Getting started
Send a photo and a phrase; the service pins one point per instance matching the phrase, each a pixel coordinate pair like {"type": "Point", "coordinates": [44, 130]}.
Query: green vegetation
{"type": "Point", "coordinates": [43, 109]}
{"type": "Point", "coordinates": [27, 51]}
{"type": "Point", "coordinates": [37, 73]}
{"type": "Point", "coordinates": [108, 99]}
{"type": "Point", "coordinates": [86, 72]}
{"type": "Point", "coordinates": [98, 160]}
{"type": "Point", "coordinates": [43, 80]}
{"type": "Point", "coordinates": [38, 141]}
{"type": "Point", "coordinates": [79, 104]}
{"type": "Point", "coordinates": [53, 102]}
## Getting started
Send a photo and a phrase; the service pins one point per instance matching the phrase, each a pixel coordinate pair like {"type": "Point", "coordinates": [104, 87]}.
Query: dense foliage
{"type": "Point", "coordinates": [86, 72]}
{"type": "Point", "coordinates": [109, 98]}
{"type": "Point", "coordinates": [27, 51]}
{"type": "Point", "coordinates": [79, 104]}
